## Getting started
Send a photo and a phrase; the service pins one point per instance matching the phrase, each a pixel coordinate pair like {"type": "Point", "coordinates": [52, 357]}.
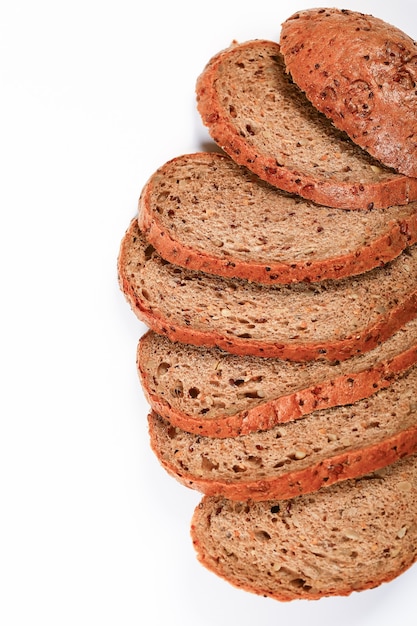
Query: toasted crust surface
{"type": "Point", "coordinates": [209, 392]}
{"type": "Point", "coordinates": [350, 537]}
{"type": "Point", "coordinates": [361, 72]}
{"type": "Point", "coordinates": [263, 121]}
{"type": "Point", "coordinates": [204, 212]}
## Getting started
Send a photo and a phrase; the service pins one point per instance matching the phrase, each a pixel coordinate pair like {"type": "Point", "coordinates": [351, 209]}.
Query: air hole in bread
{"type": "Point", "coordinates": [178, 390]}
{"type": "Point", "coordinates": [238, 469]}
{"type": "Point", "coordinates": [251, 394]}
{"type": "Point", "coordinates": [163, 196]}
{"type": "Point", "coordinates": [300, 582]}
{"type": "Point", "coordinates": [206, 464]}
{"type": "Point", "coordinates": [262, 535]}
{"type": "Point", "coordinates": [172, 432]}
{"type": "Point", "coordinates": [162, 368]}
{"type": "Point", "coordinates": [149, 250]}
{"type": "Point", "coordinates": [236, 381]}
{"type": "Point", "coordinates": [255, 460]}
{"type": "Point", "coordinates": [281, 463]}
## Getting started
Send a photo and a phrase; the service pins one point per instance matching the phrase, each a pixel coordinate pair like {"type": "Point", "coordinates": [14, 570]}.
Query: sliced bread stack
{"type": "Point", "coordinates": [278, 280]}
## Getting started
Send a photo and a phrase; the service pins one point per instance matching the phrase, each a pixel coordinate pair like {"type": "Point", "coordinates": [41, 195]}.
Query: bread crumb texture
{"type": "Point", "coordinates": [300, 456]}
{"type": "Point", "coordinates": [345, 538]}
{"type": "Point", "coordinates": [210, 392]}
{"type": "Point", "coordinates": [205, 212]}
{"type": "Point", "coordinates": [301, 321]}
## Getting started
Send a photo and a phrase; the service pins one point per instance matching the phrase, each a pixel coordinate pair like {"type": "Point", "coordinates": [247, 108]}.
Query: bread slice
{"type": "Point", "coordinates": [350, 537]}
{"type": "Point", "coordinates": [297, 457]}
{"type": "Point", "coordinates": [204, 212]}
{"type": "Point", "coordinates": [327, 320]}
{"type": "Point", "coordinates": [264, 122]}
{"type": "Point", "coordinates": [361, 72]}
{"type": "Point", "coordinates": [209, 392]}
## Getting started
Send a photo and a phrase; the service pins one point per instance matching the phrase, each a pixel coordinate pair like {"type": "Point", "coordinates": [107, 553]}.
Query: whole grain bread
{"type": "Point", "coordinates": [210, 392]}
{"type": "Point", "coordinates": [350, 537]}
{"type": "Point", "coordinates": [330, 320]}
{"type": "Point", "coordinates": [204, 212]}
{"type": "Point", "coordinates": [263, 121]}
{"type": "Point", "coordinates": [325, 447]}
{"type": "Point", "coordinates": [361, 72]}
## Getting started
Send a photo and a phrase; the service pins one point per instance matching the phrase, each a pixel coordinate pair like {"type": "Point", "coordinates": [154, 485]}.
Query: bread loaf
{"type": "Point", "coordinates": [297, 457]}
{"type": "Point", "coordinates": [264, 122]}
{"type": "Point", "coordinates": [361, 72]}
{"type": "Point", "coordinates": [278, 282]}
{"type": "Point", "coordinates": [210, 392]}
{"type": "Point", "coordinates": [204, 212]}
{"type": "Point", "coordinates": [330, 320]}
{"type": "Point", "coordinates": [350, 537]}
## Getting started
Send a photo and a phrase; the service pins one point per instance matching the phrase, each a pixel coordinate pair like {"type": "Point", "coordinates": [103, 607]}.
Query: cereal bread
{"type": "Point", "coordinates": [205, 212]}
{"type": "Point", "coordinates": [361, 72]}
{"type": "Point", "coordinates": [325, 447]}
{"type": "Point", "coordinates": [256, 114]}
{"type": "Point", "coordinates": [330, 320]}
{"type": "Point", "coordinates": [350, 537]}
{"type": "Point", "coordinates": [210, 392]}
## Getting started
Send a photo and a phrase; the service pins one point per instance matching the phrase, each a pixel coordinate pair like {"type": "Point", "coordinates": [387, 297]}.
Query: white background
{"type": "Point", "coordinates": [94, 96]}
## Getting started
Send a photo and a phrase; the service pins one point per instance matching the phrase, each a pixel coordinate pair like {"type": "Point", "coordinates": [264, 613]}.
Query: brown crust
{"type": "Point", "coordinates": [334, 469]}
{"type": "Point", "coordinates": [369, 90]}
{"type": "Point", "coordinates": [344, 389]}
{"type": "Point", "coordinates": [338, 350]}
{"type": "Point", "coordinates": [389, 192]}
{"type": "Point", "coordinates": [398, 236]}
